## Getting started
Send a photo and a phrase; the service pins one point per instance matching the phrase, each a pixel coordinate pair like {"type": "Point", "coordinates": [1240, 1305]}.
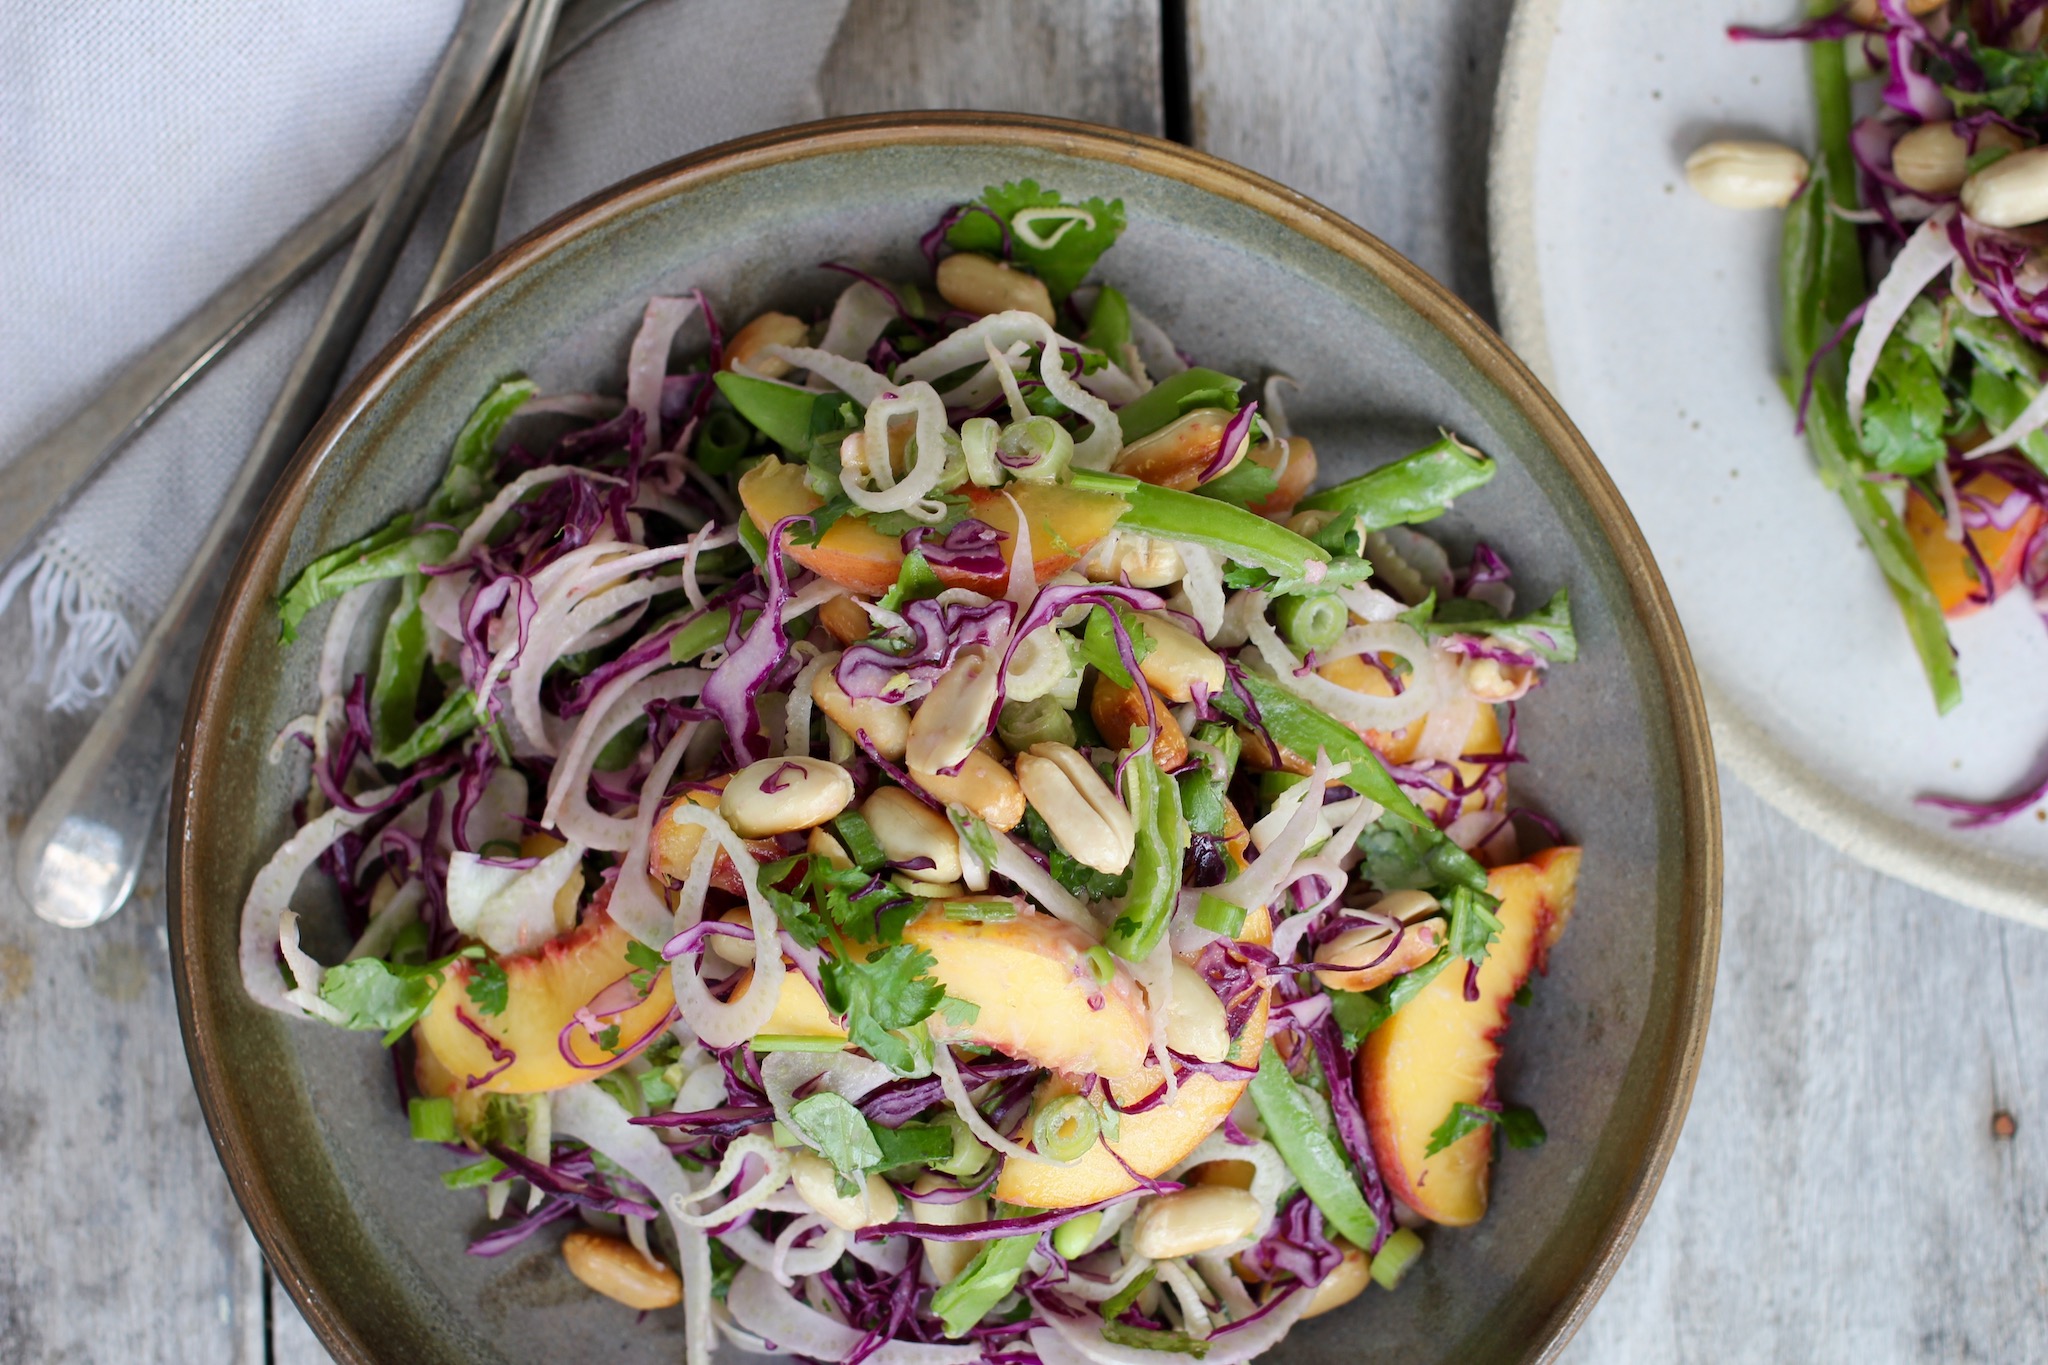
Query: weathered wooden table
{"type": "Point", "coordinates": [1840, 1193]}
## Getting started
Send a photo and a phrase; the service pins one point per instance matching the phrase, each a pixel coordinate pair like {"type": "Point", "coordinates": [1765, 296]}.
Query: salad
{"type": "Point", "coordinates": [1916, 301]}
{"type": "Point", "coordinates": [918, 836]}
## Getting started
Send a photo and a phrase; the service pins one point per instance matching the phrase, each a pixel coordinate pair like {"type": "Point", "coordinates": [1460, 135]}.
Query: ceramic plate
{"type": "Point", "coordinates": [350, 1212]}
{"type": "Point", "coordinates": [1653, 316]}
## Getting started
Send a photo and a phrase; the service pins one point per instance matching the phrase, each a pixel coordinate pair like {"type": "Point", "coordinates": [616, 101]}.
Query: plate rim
{"type": "Point", "coordinates": [246, 604]}
{"type": "Point", "coordinates": [1980, 879]}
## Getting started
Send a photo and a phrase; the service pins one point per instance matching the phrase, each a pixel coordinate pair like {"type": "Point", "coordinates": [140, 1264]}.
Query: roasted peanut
{"type": "Point", "coordinates": [823, 845]}
{"type": "Point", "coordinates": [976, 284]}
{"type": "Point", "coordinates": [1190, 1221]}
{"type": "Point", "coordinates": [1746, 175]}
{"type": "Point", "coordinates": [909, 832]}
{"type": "Point", "coordinates": [1195, 1021]}
{"type": "Point", "coordinates": [818, 1185]}
{"type": "Point", "coordinates": [1179, 660]}
{"type": "Point", "coordinates": [738, 951]}
{"type": "Point", "coordinates": [1179, 454]}
{"type": "Point", "coordinates": [1141, 561]}
{"type": "Point", "coordinates": [1934, 158]}
{"type": "Point", "coordinates": [887, 727]}
{"type": "Point", "coordinates": [2010, 192]}
{"type": "Point", "coordinates": [749, 345]}
{"type": "Point", "coordinates": [615, 1268]}
{"type": "Point", "coordinates": [1492, 681]}
{"type": "Point", "coordinates": [1118, 710]}
{"type": "Point", "coordinates": [954, 715]}
{"type": "Point", "coordinates": [983, 785]}
{"type": "Point", "coordinates": [845, 620]}
{"type": "Point", "coordinates": [1084, 815]}
{"type": "Point", "coordinates": [778, 795]}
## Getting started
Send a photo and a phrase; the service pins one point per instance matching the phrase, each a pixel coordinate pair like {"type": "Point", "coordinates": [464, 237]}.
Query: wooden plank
{"type": "Point", "coordinates": [1377, 108]}
{"type": "Point", "coordinates": [1098, 62]}
{"type": "Point", "coordinates": [118, 1237]}
{"type": "Point", "coordinates": [1840, 1193]}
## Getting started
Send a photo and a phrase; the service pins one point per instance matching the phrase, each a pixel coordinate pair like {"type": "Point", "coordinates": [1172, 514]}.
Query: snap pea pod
{"type": "Point", "coordinates": [783, 411]}
{"type": "Point", "coordinates": [1109, 325]}
{"type": "Point", "coordinates": [1154, 799]}
{"type": "Point", "coordinates": [992, 1274]}
{"type": "Point", "coordinates": [389, 552]}
{"type": "Point", "coordinates": [1241, 536]}
{"type": "Point", "coordinates": [1822, 281]}
{"type": "Point", "coordinates": [1417, 487]}
{"type": "Point", "coordinates": [470, 463]}
{"type": "Point", "coordinates": [401, 663]}
{"type": "Point", "coordinates": [1302, 729]}
{"type": "Point", "coordinates": [1311, 1153]}
{"type": "Point", "coordinates": [454, 718]}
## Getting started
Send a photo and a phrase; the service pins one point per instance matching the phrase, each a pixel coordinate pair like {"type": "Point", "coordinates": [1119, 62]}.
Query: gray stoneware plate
{"type": "Point", "coordinates": [1246, 275]}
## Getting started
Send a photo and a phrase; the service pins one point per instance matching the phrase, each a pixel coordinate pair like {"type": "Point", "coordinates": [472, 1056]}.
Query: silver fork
{"type": "Point", "coordinates": [80, 853]}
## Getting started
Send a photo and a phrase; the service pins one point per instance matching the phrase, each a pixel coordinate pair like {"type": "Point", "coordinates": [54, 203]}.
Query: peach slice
{"type": "Point", "coordinates": [1295, 477]}
{"type": "Point", "coordinates": [1064, 523]}
{"type": "Point", "coordinates": [799, 1011]}
{"type": "Point", "coordinates": [544, 990]}
{"type": "Point", "coordinates": [1949, 570]}
{"type": "Point", "coordinates": [672, 846]}
{"type": "Point", "coordinates": [1152, 1142]}
{"type": "Point", "coordinates": [1398, 746]}
{"type": "Point", "coordinates": [1441, 1049]}
{"type": "Point", "coordinates": [1029, 979]}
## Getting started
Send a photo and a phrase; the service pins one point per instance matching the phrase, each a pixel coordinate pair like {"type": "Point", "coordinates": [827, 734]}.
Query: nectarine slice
{"type": "Point", "coordinates": [544, 990]}
{"type": "Point", "coordinates": [1151, 1142]}
{"type": "Point", "coordinates": [1065, 522]}
{"type": "Point", "coordinates": [1440, 1050]}
{"type": "Point", "coordinates": [1398, 746]}
{"type": "Point", "coordinates": [1949, 570]}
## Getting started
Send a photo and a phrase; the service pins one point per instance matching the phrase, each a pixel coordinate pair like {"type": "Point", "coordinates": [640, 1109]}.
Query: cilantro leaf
{"type": "Point", "coordinates": [1462, 1121]}
{"type": "Point", "coordinates": [1079, 878]}
{"type": "Point", "coordinates": [886, 991]}
{"type": "Point", "coordinates": [1474, 926]}
{"type": "Point", "coordinates": [376, 995]}
{"type": "Point", "coordinates": [1905, 418]}
{"type": "Point", "coordinates": [2015, 83]}
{"type": "Point", "coordinates": [912, 1144]}
{"type": "Point", "coordinates": [1357, 1014]}
{"type": "Point", "coordinates": [1059, 249]}
{"type": "Point", "coordinates": [1522, 1129]}
{"type": "Point", "coordinates": [489, 987]}
{"type": "Point", "coordinates": [837, 1131]}
{"type": "Point", "coordinates": [607, 1038]}
{"type": "Point", "coordinates": [649, 964]}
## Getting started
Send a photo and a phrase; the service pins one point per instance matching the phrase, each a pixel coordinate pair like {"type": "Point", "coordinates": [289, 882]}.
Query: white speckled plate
{"type": "Point", "coordinates": [1652, 315]}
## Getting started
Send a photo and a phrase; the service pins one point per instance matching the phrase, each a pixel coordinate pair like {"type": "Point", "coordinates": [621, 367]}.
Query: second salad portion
{"type": "Point", "coordinates": [1915, 294]}
{"type": "Point", "coordinates": [921, 835]}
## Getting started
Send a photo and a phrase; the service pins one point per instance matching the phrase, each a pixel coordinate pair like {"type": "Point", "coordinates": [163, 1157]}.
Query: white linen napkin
{"type": "Point", "coordinates": [149, 152]}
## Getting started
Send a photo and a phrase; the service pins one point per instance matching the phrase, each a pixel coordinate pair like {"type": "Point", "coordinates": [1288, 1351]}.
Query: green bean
{"type": "Point", "coordinates": [1822, 282]}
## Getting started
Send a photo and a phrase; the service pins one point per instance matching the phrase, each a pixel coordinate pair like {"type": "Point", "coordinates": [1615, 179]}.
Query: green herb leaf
{"type": "Point", "coordinates": [915, 582]}
{"type": "Point", "coordinates": [837, 1131]}
{"type": "Point", "coordinates": [1357, 1014]}
{"type": "Point", "coordinates": [488, 987]}
{"type": "Point", "coordinates": [1099, 642]}
{"type": "Point", "coordinates": [1462, 1121]}
{"type": "Point", "coordinates": [1174, 397]}
{"type": "Point", "coordinates": [1546, 632]}
{"type": "Point", "coordinates": [1906, 415]}
{"type": "Point", "coordinates": [1117, 1304]}
{"type": "Point", "coordinates": [1522, 1129]}
{"type": "Point", "coordinates": [375, 995]}
{"type": "Point", "coordinates": [648, 964]}
{"type": "Point", "coordinates": [886, 991]}
{"type": "Point", "coordinates": [477, 1173]}
{"type": "Point", "coordinates": [913, 1144]}
{"type": "Point", "coordinates": [1059, 250]}
{"type": "Point", "coordinates": [986, 1281]}
{"type": "Point", "coordinates": [1474, 926]}
{"type": "Point", "coordinates": [1084, 881]}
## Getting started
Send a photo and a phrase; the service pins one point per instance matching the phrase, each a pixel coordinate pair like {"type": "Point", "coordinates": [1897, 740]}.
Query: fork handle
{"type": "Point", "coordinates": [83, 847]}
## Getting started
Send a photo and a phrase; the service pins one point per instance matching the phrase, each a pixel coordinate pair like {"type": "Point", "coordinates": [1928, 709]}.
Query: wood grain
{"type": "Point", "coordinates": [1098, 61]}
{"type": "Point", "coordinates": [1376, 108]}
{"type": "Point", "coordinates": [118, 1237]}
